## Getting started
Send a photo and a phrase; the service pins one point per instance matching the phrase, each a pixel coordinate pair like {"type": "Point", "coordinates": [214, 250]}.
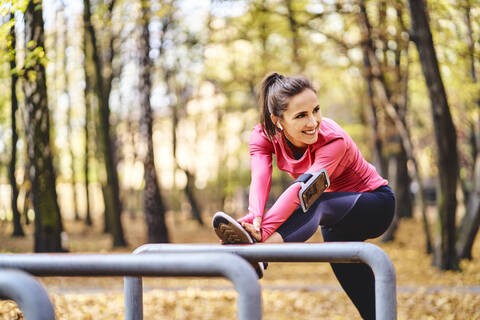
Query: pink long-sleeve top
{"type": "Point", "coordinates": [334, 150]}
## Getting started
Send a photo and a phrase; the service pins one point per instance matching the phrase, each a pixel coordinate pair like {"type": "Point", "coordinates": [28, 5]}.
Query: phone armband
{"type": "Point", "coordinates": [312, 186]}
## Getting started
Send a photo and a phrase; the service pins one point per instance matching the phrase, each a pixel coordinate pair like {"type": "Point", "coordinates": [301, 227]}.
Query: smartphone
{"type": "Point", "coordinates": [313, 188]}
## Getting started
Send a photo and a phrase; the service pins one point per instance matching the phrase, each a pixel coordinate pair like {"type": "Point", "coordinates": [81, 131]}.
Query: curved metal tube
{"type": "Point", "coordinates": [30, 296]}
{"type": "Point", "coordinates": [340, 252]}
{"type": "Point", "coordinates": [206, 264]}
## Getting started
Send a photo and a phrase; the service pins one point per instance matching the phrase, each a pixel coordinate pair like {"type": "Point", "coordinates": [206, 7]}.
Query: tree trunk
{"type": "Point", "coordinates": [189, 191]}
{"type": "Point", "coordinates": [153, 204]}
{"type": "Point", "coordinates": [42, 176]}
{"type": "Point", "coordinates": [471, 221]}
{"type": "Point", "coordinates": [17, 226]}
{"type": "Point", "coordinates": [87, 91]}
{"type": "Point", "coordinates": [88, 214]}
{"type": "Point", "coordinates": [113, 206]}
{"type": "Point", "coordinates": [367, 47]}
{"type": "Point", "coordinates": [446, 141]}
{"type": "Point", "coordinates": [403, 196]}
{"type": "Point", "coordinates": [69, 117]}
{"type": "Point", "coordinates": [295, 37]}
{"type": "Point", "coordinates": [403, 179]}
{"type": "Point", "coordinates": [402, 186]}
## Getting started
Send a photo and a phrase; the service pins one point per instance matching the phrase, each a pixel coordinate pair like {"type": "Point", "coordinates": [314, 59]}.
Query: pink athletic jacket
{"type": "Point", "coordinates": [334, 150]}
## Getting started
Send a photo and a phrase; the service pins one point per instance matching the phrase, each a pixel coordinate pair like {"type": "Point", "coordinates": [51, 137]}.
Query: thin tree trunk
{"type": "Point", "coordinates": [88, 214]}
{"type": "Point", "coordinates": [189, 191]}
{"type": "Point", "coordinates": [196, 212]}
{"type": "Point", "coordinates": [471, 221]}
{"type": "Point", "coordinates": [69, 117]}
{"type": "Point", "coordinates": [403, 179]}
{"type": "Point", "coordinates": [113, 206]}
{"type": "Point", "coordinates": [220, 144]}
{"type": "Point", "coordinates": [153, 204]}
{"type": "Point", "coordinates": [42, 175]}
{"type": "Point", "coordinates": [403, 196]}
{"type": "Point", "coordinates": [87, 91]}
{"type": "Point", "coordinates": [295, 37]}
{"type": "Point", "coordinates": [27, 203]}
{"type": "Point", "coordinates": [367, 48]}
{"type": "Point", "coordinates": [17, 226]}
{"type": "Point", "coordinates": [446, 140]}
{"type": "Point", "coordinates": [72, 165]}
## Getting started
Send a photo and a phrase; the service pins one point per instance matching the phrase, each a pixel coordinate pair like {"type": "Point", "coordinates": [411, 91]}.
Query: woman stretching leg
{"type": "Point", "coordinates": [357, 206]}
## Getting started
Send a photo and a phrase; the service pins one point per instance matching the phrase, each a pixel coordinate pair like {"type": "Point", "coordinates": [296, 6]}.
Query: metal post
{"type": "Point", "coordinates": [340, 252]}
{"type": "Point", "coordinates": [30, 296]}
{"type": "Point", "coordinates": [133, 295]}
{"type": "Point", "coordinates": [205, 264]}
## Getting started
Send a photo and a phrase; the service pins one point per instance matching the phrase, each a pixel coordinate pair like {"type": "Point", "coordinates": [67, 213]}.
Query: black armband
{"type": "Point", "coordinates": [312, 186]}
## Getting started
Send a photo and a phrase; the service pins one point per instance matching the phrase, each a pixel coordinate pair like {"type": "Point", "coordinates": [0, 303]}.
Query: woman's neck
{"type": "Point", "coordinates": [296, 151]}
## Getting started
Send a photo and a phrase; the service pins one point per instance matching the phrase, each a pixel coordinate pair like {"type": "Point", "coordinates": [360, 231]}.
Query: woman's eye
{"type": "Point", "coordinates": [299, 116]}
{"type": "Point", "coordinates": [316, 109]}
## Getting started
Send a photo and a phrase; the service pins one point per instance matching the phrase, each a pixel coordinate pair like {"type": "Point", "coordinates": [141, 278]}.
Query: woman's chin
{"type": "Point", "coordinates": [311, 140]}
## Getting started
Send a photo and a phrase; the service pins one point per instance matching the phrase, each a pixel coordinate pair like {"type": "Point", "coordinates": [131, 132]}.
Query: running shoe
{"type": "Point", "coordinates": [230, 231]}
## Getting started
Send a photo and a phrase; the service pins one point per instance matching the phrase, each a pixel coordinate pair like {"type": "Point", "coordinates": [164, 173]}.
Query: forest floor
{"type": "Point", "coordinates": [289, 290]}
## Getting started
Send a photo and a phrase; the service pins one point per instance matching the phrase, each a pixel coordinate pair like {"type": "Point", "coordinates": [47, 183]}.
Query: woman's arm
{"type": "Point", "coordinates": [328, 157]}
{"type": "Point", "coordinates": [261, 175]}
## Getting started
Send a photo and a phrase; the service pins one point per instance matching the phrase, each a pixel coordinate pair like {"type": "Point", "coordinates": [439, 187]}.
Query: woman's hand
{"type": "Point", "coordinates": [256, 233]}
{"type": "Point", "coordinates": [257, 222]}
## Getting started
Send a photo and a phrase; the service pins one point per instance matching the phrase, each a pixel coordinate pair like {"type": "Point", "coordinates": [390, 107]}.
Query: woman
{"type": "Point", "coordinates": [358, 204]}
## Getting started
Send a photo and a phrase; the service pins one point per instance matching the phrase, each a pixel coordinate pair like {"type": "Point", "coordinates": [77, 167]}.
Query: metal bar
{"type": "Point", "coordinates": [340, 252]}
{"type": "Point", "coordinates": [30, 296]}
{"type": "Point", "coordinates": [133, 295]}
{"type": "Point", "coordinates": [206, 264]}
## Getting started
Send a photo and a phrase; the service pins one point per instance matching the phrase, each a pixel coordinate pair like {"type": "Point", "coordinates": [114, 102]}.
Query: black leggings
{"type": "Point", "coordinates": [369, 215]}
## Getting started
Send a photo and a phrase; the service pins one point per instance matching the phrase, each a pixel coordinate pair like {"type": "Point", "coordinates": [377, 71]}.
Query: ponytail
{"type": "Point", "coordinates": [265, 104]}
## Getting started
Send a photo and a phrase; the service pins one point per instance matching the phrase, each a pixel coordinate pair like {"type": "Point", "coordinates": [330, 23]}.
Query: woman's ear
{"type": "Point", "coordinates": [276, 121]}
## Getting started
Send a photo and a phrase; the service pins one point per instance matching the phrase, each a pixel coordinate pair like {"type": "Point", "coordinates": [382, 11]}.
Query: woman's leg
{"type": "Point", "coordinates": [330, 208]}
{"type": "Point", "coordinates": [369, 218]}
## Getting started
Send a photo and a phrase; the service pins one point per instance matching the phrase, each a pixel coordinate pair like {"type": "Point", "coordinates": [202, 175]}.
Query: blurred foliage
{"type": "Point", "coordinates": [209, 57]}
{"type": "Point", "coordinates": [233, 45]}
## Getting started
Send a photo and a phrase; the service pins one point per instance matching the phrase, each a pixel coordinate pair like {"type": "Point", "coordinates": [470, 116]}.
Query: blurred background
{"type": "Point", "coordinates": [118, 111]}
{"type": "Point", "coordinates": [127, 122]}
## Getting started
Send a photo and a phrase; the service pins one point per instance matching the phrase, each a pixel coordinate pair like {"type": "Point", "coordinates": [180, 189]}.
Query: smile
{"type": "Point", "coordinates": [310, 132]}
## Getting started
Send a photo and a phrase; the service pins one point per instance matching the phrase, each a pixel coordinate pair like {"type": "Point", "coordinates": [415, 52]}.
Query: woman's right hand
{"type": "Point", "coordinates": [257, 234]}
{"type": "Point", "coordinates": [257, 222]}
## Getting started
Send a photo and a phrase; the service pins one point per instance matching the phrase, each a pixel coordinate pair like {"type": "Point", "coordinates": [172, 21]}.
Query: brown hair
{"type": "Point", "coordinates": [274, 96]}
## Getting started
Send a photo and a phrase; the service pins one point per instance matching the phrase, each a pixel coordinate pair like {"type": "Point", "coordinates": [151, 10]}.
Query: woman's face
{"type": "Point", "coordinates": [301, 120]}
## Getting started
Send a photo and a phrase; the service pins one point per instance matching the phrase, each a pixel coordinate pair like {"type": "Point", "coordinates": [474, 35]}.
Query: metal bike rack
{"type": "Point", "coordinates": [338, 252]}
{"type": "Point", "coordinates": [205, 264]}
{"type": "Point", "coordinates": [29, 295]}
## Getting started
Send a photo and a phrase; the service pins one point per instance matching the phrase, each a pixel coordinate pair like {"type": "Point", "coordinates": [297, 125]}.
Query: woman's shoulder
{"type": "Point", "coordinates": [259, 139]}
{"type": "Point", "coordinates": [330, 130]}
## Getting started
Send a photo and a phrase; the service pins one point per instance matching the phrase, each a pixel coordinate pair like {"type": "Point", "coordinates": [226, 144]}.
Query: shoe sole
{"type": "Point", "coordinates": [229, 230]}
{"type": "Point", "coordinates": [232, 232]}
